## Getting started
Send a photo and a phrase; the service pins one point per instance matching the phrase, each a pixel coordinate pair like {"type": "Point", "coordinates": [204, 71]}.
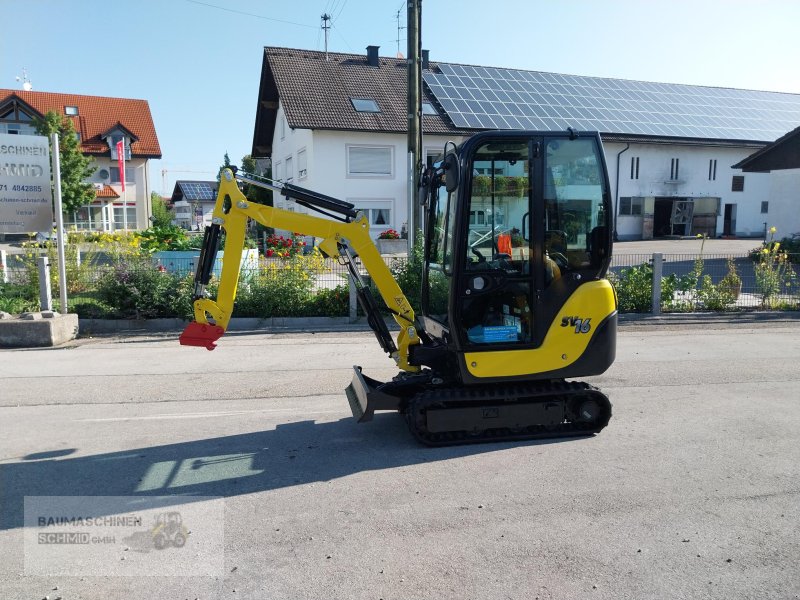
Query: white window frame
{"type": "Point", "coordinates": [277, 173]}
{"type": "Point", "coordinates": [302, 164]}
{"type": "Point", "coordinates": [362, 175]}
{"type": "Point", "coordinates": [289, 168]}
{"type": "Point", "coordinates": [370, 204]}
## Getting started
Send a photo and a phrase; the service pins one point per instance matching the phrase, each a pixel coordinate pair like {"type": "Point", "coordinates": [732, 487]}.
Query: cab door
{"type": "Point", "coordinates": [534, 227]}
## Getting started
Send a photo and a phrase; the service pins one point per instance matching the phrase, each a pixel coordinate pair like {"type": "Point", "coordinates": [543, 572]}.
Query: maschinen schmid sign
{"type": "Point", "coordinates": [25, 190]}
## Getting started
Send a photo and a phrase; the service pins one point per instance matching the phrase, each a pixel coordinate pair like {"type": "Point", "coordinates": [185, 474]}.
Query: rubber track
{"type": "Point", "coordinates": [558, 391]}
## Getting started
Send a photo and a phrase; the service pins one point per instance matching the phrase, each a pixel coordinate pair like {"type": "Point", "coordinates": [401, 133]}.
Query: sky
{"type": "Point", "coordinates": [198, 62]}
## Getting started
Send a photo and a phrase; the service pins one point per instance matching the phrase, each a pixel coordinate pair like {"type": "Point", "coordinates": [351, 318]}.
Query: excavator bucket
{"type": "Point", "coordinates": [365, 397]}
{"type": "Point", "coordinates": [201, 334]}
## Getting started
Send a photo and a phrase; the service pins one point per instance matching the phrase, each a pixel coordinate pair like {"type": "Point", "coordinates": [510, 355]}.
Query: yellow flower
{"type": "Point", "coordinates": [773, 229]}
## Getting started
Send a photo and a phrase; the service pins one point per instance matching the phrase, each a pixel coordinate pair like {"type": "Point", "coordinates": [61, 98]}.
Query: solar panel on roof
{"type": "Point", "coordinates": [197, 191]}
{"type": "Point", "coordinates": [491, 98]}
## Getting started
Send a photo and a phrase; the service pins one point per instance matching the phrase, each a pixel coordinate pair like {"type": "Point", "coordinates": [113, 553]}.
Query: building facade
{"type": "Point", "coordinates": [100, 123]}
{"type": "Point", "coordinates": [337, 123]}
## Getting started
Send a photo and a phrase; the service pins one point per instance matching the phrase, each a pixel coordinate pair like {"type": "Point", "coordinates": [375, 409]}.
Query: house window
{"type": "Point", "coordinates": [289, 169]}
{"type": "Point", "coordinates": [378, 212]}
{"type": "Point", "coordinates": [712, 169]}
{"type": "Point", "coordinates": [634, 167]}
{"type": "Point", "coordinates": [119, 221]}
{"type": "Point", "coordinates": [764, 207]}
{"type": "Point", "coordinates": [477, 217]}
{"type": "Point", "coordinates": [369, 161]}
{"type": "Point", "coordinates": [488, 171]}
{"type": "Point", "coordinates": [673, 170]}
{"type": "Point", "coordinates": [428, 109]}
{"type": "Point", "coordinates": [129, 175]}
{"type": "Point", "coordinates": [278, 172]}
{"type": "Point", "coordinates": [365, 105]}
{"type": "Point", "coordinates": [71, 111]}
{"type": "Point", "coordinates": [112, 142]}
{"type": "Point", "coordinates": [302, 164]}
{"type": "Point", "coordinates": [631, 206]}
{"type": "Point", "coordinates": [14, 120]}
{"type": "Point", "coordinates": [737, 183]}
{"type": "Point", "coordinates": [283, 127]}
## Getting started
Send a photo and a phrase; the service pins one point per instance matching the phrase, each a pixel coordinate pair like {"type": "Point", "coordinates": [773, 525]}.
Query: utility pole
{"type": "Point", "coordinates": [414, 99]}
{"type": "Point", "coordinates": [325, 27]}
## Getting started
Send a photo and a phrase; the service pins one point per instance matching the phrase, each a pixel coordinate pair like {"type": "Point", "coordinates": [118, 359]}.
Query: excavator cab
{"type": "Point", "coordinates": [517, 246]}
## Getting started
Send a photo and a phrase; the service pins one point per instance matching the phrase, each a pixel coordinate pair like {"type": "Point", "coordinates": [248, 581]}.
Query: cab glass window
{"type": "Point", "coordinates": [575, 231]}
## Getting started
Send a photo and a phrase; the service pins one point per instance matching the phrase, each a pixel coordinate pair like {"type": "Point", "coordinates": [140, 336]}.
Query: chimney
{"type": "Point", "coordinates": [372, 56]}
{"type": "Point", "coordinates": [425, 55]}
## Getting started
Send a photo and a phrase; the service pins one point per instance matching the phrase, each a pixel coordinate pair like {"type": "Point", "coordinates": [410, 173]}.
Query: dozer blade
{"type": "Point", "coordinates": [365, 397]}
{"type": "Point", "coordinates": [201, 334]}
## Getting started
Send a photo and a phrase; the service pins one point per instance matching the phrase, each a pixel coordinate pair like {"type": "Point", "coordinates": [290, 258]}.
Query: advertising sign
{"type": "Point", "coordinates": [25, 191]}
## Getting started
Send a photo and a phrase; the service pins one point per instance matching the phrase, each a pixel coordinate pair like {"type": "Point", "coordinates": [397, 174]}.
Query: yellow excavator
{"type": "Point", "coordinates": [514, 296]}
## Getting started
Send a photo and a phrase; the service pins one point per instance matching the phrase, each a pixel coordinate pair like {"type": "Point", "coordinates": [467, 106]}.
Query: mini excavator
{"type": "Point", "coordinates": [515, 302]}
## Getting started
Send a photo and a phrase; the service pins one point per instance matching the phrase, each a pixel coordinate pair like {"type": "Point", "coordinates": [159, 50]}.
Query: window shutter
{"type": "Point", "coordinates": [369, 161]}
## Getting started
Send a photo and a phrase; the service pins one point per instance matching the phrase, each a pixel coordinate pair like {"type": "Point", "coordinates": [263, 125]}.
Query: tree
{"type": "Point", "coordinates": [226, 164]}
{"type": "Point", "coordinates": [75, 167]}
{"type": "Point", "coordinates": [254, 193]}
{"type": "Point", "coordinates": [162, 214]}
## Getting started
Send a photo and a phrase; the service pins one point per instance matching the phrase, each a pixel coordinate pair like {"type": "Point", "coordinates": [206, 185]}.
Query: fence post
{"type": "Point", "coordinates": [658, 271]}
{"type": "Point", "coordinates": [3, 266]}
{"type": "Point", "coordinates": [45, 295]}
{"type": "Point", "coordinates": [353, 300]}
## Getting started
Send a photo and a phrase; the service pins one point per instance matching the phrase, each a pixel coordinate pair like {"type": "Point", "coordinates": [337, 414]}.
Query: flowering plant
{"type": "Point", "coordinates": [389, 234]}
{"type": "Point", "coordinates": [774, 272]}
{"type": "Point", "coordinates": [279, 246]}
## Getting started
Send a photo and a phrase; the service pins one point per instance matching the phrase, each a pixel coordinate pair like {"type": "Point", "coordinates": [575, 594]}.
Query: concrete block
{"type": "Point", "coordinates": [36, 332]}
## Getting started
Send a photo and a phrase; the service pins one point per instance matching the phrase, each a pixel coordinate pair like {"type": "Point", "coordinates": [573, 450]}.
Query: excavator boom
{"type": "Point", "coordinates": [345, 236]}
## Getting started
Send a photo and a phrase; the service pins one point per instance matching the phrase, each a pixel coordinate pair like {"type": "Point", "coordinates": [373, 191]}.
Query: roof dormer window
{"type": "Point", "coordinates": [365, 105]}
{"type": "Point", "coordinates": [71, 111]}
{"type": "Point", "coordinates": [16, 119]}
{"type": "Point", "coordinates": [428, 109]}
{"type": "Point", "coordinates": [114, 135]}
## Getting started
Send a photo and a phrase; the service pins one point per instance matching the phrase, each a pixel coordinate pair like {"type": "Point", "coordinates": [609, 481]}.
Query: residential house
{"type": "Point", "coordinates": [337, 123]}
{"type": "Point", "coordinates": [193, 202]}
{"type": "Point", "coordinates": [100, 123]}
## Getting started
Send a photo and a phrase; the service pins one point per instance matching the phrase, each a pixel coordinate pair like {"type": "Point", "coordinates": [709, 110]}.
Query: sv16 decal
{"type": "Point", "coordinates": [580, 325]}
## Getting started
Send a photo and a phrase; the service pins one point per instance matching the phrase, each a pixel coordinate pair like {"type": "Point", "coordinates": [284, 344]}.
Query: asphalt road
{"type": "Point", "coordinates": [693, 490]}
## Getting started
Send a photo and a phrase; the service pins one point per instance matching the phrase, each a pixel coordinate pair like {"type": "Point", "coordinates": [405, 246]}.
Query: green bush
{"type": "Point", "coordinates": [137, 289]}
{"type": "Point", "coordinates": [16, 299]}
{"type": "Point", "coordinates": [282, 288]}
{"type": "Point", "coordinates": [330, 303]}
{"type": "Point", "coordinates": [634, 287]}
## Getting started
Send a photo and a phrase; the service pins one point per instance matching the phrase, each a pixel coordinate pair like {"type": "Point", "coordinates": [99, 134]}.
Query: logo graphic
{"type": "Point", "coordinates": [580, 325]}
{"type": "Point", "coordinates": [167, 530]}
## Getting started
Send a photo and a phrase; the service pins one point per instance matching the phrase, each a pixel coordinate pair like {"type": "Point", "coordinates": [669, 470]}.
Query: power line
{"type": "Point", "coordinates": [241, 12]}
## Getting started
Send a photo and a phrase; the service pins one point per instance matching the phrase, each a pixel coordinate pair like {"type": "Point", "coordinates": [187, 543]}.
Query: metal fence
{"type": "Point", "coordinates": [677, 282]}
{"type": "Point", "coordinates": [684, 276]}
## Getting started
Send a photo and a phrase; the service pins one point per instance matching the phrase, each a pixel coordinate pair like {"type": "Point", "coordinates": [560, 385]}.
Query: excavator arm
{"type": "Point", "coordinates": [346, 235]}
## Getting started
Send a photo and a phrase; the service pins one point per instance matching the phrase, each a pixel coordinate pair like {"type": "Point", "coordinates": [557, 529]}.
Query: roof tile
{"type": "Point", "coordinates": [96, 115]}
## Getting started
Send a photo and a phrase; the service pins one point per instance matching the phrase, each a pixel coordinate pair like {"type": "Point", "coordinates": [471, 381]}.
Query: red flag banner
{"type": "Point", "coordinates": [121, 162]}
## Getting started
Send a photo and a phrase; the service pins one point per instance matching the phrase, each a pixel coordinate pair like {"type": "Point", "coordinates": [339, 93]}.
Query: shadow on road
{"type": "Point", "coordinates": [291, 454]}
